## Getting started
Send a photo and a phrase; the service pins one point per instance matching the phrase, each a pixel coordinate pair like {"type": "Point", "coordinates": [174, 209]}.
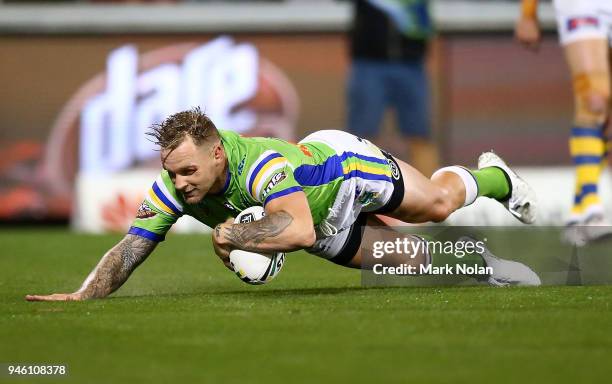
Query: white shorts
{"type": "Point", "coordinates": [583, 19]}
{"type": "Point", "coordinates": [361, 192]}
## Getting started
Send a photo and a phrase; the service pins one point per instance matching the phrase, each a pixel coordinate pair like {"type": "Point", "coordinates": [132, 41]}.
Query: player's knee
{"type": "Point", "coordinates": [308, 239]}
{"type": "Point", "coordinates": [592, 109]}
{"type": "Point", "coordinates": [441, 213]}
{"type": "Point", "coordinates": [441, 209]}
{"type": "Point", "coordinates": [597, 103]}
{"type": "Point", "coordinates": [592, 92]}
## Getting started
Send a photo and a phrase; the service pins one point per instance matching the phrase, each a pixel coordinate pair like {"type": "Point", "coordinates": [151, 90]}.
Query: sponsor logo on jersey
{"type": "Point", "coordinates": [368, 198]}
{"type": "Point", "coordinates": [241, 165]}
{"type": "Point", "coordinates": [145, 212]}
{"type": "Point", "coordinates": [395, 172]}
{"type": "Point", "coordinates": [274, 181]}
{"type": "Point", "coordinates": [305, 150]}
{"type": "Point", "coordinates": [582, 22]}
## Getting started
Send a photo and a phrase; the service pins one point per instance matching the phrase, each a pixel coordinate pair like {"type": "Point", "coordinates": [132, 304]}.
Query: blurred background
{"type": "Point", "coordinates": [81, 82]}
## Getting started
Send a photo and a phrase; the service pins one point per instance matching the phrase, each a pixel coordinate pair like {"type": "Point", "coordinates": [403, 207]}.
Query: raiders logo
{"type": "Point", "coordinates": [305, 150]}
{"type": "Point", "coordinates": [241, 166]}
{"type": "Point", "coordinates": [144, 212]}
{"type": "Point", "coordinates": [395, 172]}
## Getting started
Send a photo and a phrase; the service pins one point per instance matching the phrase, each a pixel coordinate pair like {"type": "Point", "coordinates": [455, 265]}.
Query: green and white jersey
{"type": "Point", "coordinates": [323, 166]}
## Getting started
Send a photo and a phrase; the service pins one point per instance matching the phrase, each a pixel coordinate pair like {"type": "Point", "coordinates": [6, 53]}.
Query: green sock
{"type": "Point", "coordinates": [492, 182]}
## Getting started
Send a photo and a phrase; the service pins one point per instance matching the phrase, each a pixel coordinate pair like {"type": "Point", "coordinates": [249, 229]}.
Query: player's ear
{"type": "Point", "coordinates": [218, 151]}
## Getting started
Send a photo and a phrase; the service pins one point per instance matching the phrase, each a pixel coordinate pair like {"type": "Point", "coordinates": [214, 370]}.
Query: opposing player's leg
{"type": "Point", "coordinates": [451, 188]}
{"type": "Point", "coordinates": [588, 62]}
{"type": "Point", "coordinates": [583, 31]}
{"type": "Point", "coordinates": [369, 229]}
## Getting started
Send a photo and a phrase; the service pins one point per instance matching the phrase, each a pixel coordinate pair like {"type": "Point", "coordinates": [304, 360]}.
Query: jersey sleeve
{"type": "Point", "coordinates": [158, 212]}
{"type": "Point", "coordinates": [271, 177]}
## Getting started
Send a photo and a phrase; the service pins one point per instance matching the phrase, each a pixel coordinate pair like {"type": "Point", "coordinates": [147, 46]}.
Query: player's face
{"type": "Point", "coordinates": [194, 170]}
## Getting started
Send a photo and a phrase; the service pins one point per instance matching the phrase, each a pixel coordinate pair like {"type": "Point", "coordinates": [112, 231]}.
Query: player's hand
{"type": "Point", "coordinates": [221, 245]}
{"type": "Point", "coordinates": [56, 297]}
{"type": "Point", "coordinates": [527, 32]}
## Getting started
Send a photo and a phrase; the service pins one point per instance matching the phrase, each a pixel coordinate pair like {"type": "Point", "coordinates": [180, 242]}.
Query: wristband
{"type": "Point", "coordinates": [529, 9]}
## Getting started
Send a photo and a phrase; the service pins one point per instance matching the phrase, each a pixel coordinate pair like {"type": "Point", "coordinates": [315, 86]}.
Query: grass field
{"type": "Point", "coordinates": [184, 318]}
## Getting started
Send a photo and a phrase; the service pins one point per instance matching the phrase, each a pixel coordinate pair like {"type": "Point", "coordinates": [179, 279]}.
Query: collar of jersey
{"type": "Point", "coordinates": [227, 183]}
{"type": "Point", "coordinates": [227, 179]}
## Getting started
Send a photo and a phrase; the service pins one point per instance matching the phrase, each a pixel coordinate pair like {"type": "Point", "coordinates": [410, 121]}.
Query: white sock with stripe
{"type": "Point", "coordinates": [471, 188]}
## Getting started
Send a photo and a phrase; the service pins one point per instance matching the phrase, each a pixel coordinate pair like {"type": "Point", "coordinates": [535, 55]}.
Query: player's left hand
{"type": "Point", "coordinates": [527, 32]}
{"type": "Point", "coordinates": [76, 296]}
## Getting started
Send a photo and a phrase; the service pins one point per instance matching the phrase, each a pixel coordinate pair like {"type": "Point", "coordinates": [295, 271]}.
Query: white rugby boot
{"type": "Point", "coordinates": [594, 228]}
{"type": "Point", "coordinates": [522, 203]}
{"type": "Point", "coordinates": [573, 234]}
{"type": "Point", "coordinates": [597, 227]}
{"type": "Point", "coordinates": [506, 272]}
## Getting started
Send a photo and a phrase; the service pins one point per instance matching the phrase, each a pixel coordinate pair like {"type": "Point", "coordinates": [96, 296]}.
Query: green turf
{"type": "Point", "coordinates": [184, 318]}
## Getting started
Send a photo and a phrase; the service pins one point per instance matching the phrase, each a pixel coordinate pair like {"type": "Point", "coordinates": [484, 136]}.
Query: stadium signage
{"type": "Point", "coordinates": [219, 75]}
{"type": "Point", "coordinates": [99, 138]}
{"type": "Point", "coordinates": [102, 127]}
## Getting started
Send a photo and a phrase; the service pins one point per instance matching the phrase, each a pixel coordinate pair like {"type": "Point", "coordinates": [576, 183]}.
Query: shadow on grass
{"type": "Point", "coordinates": [290, 292]}
{"type": "Point", "coordinates": [253, 292]}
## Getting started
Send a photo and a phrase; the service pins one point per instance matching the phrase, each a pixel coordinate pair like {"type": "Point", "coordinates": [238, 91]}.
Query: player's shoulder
{"type": "Point", "coordinates": [245, 150]}
{"type": "Point", "coordinates": [262, 164]}
{"type": "Point", "coordinates": [249, 152]}
{"type": "Point", "coordinates": [229, 137]}
{"type": "Point", "coordinates": [163, 196]}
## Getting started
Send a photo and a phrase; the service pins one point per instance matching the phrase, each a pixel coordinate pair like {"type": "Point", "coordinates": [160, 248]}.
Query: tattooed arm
{"type": "Point", "coordinates": [287, 226]}
{"type": "Point", "coordinates": [111, 272]}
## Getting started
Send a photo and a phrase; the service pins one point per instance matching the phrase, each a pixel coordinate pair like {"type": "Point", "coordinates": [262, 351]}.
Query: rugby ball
{"type": "Point", "coordinates": [251, 267]}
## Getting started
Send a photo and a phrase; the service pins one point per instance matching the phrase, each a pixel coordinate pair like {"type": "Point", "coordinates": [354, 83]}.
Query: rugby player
{"type": "Point", "coordinates": [585, 32]}
{"type": "Point", "coordinates": [320, 195]}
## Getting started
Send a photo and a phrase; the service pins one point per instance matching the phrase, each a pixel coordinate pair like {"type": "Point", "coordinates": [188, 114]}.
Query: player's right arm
{"type": "Point", "coordinates": [527, 29]}
{"type": "Point", "coordinates": [158, 212]}
{"type": "Point", "coordinates": [111, 272]}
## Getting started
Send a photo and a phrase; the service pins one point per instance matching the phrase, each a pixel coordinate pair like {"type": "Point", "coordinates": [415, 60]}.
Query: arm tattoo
{"type": "Point", "coordinates": [116, 266]}
{"type": "Point", "coordinates": [249, 235]}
